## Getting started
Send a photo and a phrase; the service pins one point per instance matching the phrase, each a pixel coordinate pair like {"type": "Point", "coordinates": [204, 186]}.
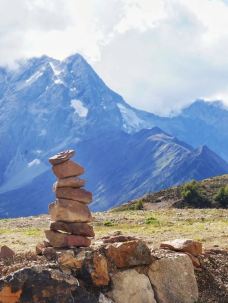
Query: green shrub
{"type": "Point", "coordinates": [138, 205]}
{"type": "Point", "coordinates": [222, 196]}
{"type": "Point", "coordinates": [108, 223]}
{"type": "Point", "coordinates": [152, 221]}
{"type": "Point", "coordinates": [192, 195]}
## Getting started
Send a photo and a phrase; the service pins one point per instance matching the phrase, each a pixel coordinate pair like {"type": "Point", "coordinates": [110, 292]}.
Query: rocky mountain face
{"type": "Point", "coordinates": [49, 105]}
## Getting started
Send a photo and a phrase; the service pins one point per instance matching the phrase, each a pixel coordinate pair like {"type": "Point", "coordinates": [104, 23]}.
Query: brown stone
{"type": "Point", "coordinates": [184, 245]}
{"type": "Point", "coordinates": [49, 253]}
{"type": "Point", "coordinates": [69, 182]}
{"type": "Point", "coordinates": [57, 239]}
{"type": "Point", "coordinates": [39, 248]}
{"type": "Point", "coordinates": [7, 295]}
{"type": "Point", "coordinates": [67, 169]}
{"type": "Point", "coordinates": [119, 238]}
{"type": "Point", "coordinates": [67, 259]}
{"type": "Point", "coordinates": [76, 194]}
{"type": "Point", "coordinates": [6, 252]}
{"type": "Point", "coordinates": [81, 229]}
{"type": "Point", "coordinates": [62, 157]}
{"type": "Point", "coordinates": [69, 211]}
{"type": "Point", "coordinates": [99, 271]}
{"type": "Point", "coordinates": [127, 254]}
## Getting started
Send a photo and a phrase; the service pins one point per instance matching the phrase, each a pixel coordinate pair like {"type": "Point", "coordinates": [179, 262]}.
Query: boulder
{"type": "Point", "coordinates": [57, 239]}
{"type": "Point", "coordinates": [69, 211]}
{"type": "Point", "coordinates": [6, 252]}
{"type": "Point", "coordinates": [81, 229]}
{"type": "Point", "coordinates": [92, 266]}
{"type": "Point", "coordinates": [76, 194]}
{"type": "Point", "coordinates": [69, 182]}
{"type": "Point", "coordinates": [173, 279]}
{"type": "Point", "coordinates": [184, 245]}
{"type": "Point", "coordinates": [131, 286]}
{"type": "Point", "coordinates": [127, 254]}
{"type": "Point", "coordinates": [67, 169]}
{"type": "Point", "coordinates": [40, 285]}
{"type": "Point", "coordinates": [62, 157]}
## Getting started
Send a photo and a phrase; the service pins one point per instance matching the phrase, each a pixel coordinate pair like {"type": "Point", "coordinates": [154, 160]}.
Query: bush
{"type": "Point", "coordinates": [138, 205]}
{"type": "Point", "coordinates": [192, 195]}
{"type": "Point", "coordinates": [108, 223]}
{"type": "Point", "coordinates": [222, 196]}
{"type": "Point", "coordinates": [152, 221]}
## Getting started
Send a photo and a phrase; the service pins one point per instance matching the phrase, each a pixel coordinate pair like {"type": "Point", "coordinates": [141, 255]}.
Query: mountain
{"type": "Point", "coordinates": [49, 105]}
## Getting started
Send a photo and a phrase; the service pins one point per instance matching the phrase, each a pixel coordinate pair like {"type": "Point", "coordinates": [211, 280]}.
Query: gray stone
{"type": "Point", "coordinates": [173, 279]}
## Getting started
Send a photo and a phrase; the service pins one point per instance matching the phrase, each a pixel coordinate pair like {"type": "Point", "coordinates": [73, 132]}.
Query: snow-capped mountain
{"type": "Point", "coordinates": [48, 105]}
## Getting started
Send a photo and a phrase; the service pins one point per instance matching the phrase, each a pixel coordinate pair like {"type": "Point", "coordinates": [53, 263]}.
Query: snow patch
{"type": "Point", "coordinates": [58, 81]}
{"type": "Point", "coordinates": [130, 120]}
{"type": "Point", "coordinates": [34, 162]}
{"type": "Point", "coordinates": [34, 77]}
{"type": "Point", "coordinates": [56, 69]}
{"type": "Point", "coordinates": [79, 108]}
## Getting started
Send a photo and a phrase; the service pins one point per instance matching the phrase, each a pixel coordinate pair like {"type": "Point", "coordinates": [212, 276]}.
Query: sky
{"type": "Point", "coordinates": [160, 55]}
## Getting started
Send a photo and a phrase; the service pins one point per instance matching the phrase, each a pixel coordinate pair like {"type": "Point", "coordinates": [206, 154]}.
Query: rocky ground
{"type": "Point", "coordinates": [208, 226]}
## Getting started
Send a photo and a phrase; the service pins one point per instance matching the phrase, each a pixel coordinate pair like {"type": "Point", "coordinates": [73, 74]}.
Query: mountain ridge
{"type": "Point", "coordinates": [49, 105]}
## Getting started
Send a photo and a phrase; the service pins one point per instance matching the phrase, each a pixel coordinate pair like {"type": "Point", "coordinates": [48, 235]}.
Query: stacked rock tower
{"type": "Point", "coordinates": [70, 214]}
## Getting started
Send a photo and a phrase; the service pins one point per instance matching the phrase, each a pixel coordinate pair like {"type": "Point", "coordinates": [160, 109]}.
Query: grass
{"type": "Point", "coordinates": [207, 225]}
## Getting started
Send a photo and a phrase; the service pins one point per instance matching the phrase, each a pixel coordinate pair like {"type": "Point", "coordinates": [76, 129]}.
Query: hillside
{"type": "Point", "coordinates": [173, 197]}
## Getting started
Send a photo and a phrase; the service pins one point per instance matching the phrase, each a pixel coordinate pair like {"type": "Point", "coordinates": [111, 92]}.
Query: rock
{"type": "Point", "coordinates": [99, 270]}
{"type": "Point", "coordinates": [127, 254]}
{"type": "Point", "coordinates": [57, 239]}
{"type": "Point", "coordinates": [81, 229]}
{"type": "Point", "coordinates": [118, 238]}
{"type": "Point", "coordinates": [41, 285]}
{"type": "Point", "coordinates": [104, 299]}
{"type": "Point", "coordinates": [69, 211]}
{"type": "Point", "coordinates": [76, 194]}
{"type": "Point", "coordinates": [68, 260]}
{"type": "Point", "coordinates": [39, 248]}
{"type": "Point", "coordinates": [9, 295]}
{"type": "Point", "coordinates": [62, 157]}
{"type": "Point", "coordinates": [69, 182]}
{"type": "Point", "coordinates": [195, 260]}
{"type": "Point", "coordinates": [6, 252]}
{"type": "Point", "coordinates": [49, 253]}
{"type": "Point", "coordinates": [130, 286]}
{"type": "Point", "coordinates": [67, 169]}
{"type": "Point", "coordinates": [92, 266]}
{"type": "Point", "coordinates": [184, 245]}
{"type": "Point", "coordinates": [173, 279]}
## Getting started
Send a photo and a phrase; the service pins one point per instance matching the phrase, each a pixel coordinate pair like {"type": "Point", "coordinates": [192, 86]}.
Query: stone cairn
{"type": "Point", "coordinates": [70, 214]}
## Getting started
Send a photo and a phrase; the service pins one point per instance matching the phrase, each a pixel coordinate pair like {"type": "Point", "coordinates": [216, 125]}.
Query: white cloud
{"type": "Point", "coordinates": [159, 54]}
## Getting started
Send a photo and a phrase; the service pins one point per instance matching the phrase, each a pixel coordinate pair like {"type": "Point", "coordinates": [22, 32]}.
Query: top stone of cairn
{"type": "Point", "coordinates": [62, 157]}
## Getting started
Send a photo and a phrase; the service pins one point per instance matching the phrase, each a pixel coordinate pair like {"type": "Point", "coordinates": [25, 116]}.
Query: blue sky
{"type": "Point", "coordinates": [159, 54]}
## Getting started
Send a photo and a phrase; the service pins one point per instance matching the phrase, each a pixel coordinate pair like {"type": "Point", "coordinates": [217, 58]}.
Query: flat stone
{"type": "Point", "coordinates": [61, 157]}
{"type": "Point", "coordinates": [67, 169]}
{"type": "Point", "coordinates": [6, 252]}
{"type": "Point", "coordinates": [183, 245]}
{"type": "Point", "coordinates": [131, 286]}
{"type": "Point", "coordinates": [81, 229]}
{"type": "Point", "coordinates": [118, 238]}
{"type": "Point", "coordinates": [127, 254]}
{"type": "Point", "coordinates": [57, 239]}
{"type": "Point", "coordinates": [67, 260]}
{"type": "Point", "coordinates": [76, 194]}
{"type": "Point", "coordinates": [69, 182]}
{"type": "Point", "coordinates": [173, 279]}
{"type": "Point", "coordinates": [69, 211]}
